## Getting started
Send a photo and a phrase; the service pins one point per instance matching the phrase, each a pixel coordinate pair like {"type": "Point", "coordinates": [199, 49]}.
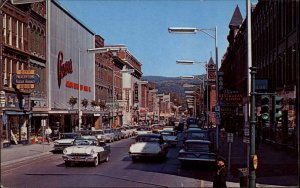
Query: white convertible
{"type": "Point", "coordinates": [148, 145]}
{"type": "Point", "coordinates": [86, 150]}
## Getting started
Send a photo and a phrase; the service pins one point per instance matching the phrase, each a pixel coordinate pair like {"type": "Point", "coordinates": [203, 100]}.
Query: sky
{"type": "Point", "coordinates": [142, 25]}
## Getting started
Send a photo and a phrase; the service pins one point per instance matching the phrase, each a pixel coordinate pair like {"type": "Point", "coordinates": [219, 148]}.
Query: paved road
{"type": "Point", "coordinates": [49, 170]}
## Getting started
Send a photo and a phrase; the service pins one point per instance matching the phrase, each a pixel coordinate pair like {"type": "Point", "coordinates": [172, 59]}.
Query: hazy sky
{"type": "Point", "coordinates": [142, 25]}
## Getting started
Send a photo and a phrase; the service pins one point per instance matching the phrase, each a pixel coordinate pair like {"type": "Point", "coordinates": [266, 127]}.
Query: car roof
{"type": "Point", "coordinates": [150, 135]}
{"type": "Point", "coordinates": [196, 129]}
{"type": "Point", "coordinates": [198, 141]}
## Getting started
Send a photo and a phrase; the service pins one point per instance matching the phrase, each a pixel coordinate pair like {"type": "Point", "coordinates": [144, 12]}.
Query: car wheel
{"type": "Point", "coordinates": [96, 161]}
{"type": "Point", "coordinates": [107, 158]}
{"type": "Point", "coordinates": [134, 158]}
{"type": "Point", "coordinates": [68, 163]}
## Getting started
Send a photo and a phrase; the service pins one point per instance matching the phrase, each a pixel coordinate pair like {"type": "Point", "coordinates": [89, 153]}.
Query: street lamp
{"type": "Point", "coordinates": [92, 51]}
{"type": "Point", "coordinates": [193, 30]}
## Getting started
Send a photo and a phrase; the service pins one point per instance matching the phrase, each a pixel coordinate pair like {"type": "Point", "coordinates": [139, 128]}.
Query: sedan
{"type": "Point", "coordinates": [148, 145]}
{"type": "Point", "coordinates": [199, 151]}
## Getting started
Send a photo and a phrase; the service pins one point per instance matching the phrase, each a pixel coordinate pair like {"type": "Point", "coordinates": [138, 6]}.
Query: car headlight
{"type": "Point", "coordinates": [65, 151]}
{"type": "Point", "coordinates": [55, 143]}
{"type": "Point", "coordinates": [92, 152]}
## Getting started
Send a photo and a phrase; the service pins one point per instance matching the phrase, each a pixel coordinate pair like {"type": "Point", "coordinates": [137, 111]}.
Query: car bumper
{"type": "Point", "coordinates": [79, 158]}
{"type": "Point", "coordinates": [145, 154]}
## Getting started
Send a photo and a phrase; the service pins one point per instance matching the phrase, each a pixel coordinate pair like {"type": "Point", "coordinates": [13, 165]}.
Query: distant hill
{"type": "Point", "coordinates": [170, 84]}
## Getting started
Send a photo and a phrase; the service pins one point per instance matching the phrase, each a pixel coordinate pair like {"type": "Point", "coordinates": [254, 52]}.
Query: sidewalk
{"type": "Point", "coordinates": [18, 153]}
{"type": "Point", "coordinates": [276, 167]}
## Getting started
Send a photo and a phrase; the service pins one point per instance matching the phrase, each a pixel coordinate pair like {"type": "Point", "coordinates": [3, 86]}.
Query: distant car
{"type": "Point", "coordinates": [109, 135]}
{"type": "Point", "coordinates": [86, 149]}
{"type": "Point", "coordinates": [143, 130]}
{"type": "Point", "coordinates": [148, 145]}
{"type": "Point", "coordinates": [199, 151]}
{"type": "Point", "coordinates": [65, 140]}
{"type": "Point", "coordinates": [170, 137]}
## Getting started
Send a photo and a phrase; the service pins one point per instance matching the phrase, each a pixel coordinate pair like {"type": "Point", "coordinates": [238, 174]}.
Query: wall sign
{"type": "Point", "coordinates": [63, 69]}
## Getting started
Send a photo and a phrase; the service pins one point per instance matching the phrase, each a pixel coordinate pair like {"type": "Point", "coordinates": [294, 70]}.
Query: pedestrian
{"type": "Point", "coordinates": [221, 174]}
{"type": "Point", "coordinates": [48, 132]}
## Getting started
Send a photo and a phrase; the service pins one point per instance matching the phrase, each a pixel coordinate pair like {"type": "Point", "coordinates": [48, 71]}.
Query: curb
{"type": "Point", "coordinates": [25, 158]}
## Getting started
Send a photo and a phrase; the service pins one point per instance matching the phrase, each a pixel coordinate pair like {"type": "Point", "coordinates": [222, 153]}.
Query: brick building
{"type": "Point", "coordinates": [275, 54]}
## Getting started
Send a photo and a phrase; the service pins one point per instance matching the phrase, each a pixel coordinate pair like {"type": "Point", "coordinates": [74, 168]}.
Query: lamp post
{"type": "Point", "coordinates": [193, 30]}
{"type": "Point", "coordinates": [92, 51]}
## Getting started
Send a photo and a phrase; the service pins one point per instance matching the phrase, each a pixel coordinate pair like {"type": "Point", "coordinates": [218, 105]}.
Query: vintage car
{"type": "Point", "coordinates": [170, 137]}
{"type": "Point", "coordinates": [86, 149]}
{"type": "Point", "coordinates": [65, 140]}
{"type": "Point", "coordinates": [148, 145]}
{"type": "Point", "coordinates": [99, 133]}
{"type": "Point", "coordinates": [143, 130]}
{"type": "Point", "coordinates": [196, 134]}
{"type": "Point", "coordinates": [199, 151]}
{"type": "Point", "coordinates": [109, 135]}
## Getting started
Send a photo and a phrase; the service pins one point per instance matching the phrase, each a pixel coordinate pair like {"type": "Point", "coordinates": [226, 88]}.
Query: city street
{"type": "Point", "coordinates": [120, 171]}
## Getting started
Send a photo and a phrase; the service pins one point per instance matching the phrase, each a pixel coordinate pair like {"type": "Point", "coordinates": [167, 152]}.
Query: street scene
{"type": "Point", "coordinates": [149, 93]}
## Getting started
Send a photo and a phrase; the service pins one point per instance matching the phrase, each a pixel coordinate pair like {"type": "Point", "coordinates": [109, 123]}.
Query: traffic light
{"type": "Point", "coordinates": [264, 112]}
{"type": "Point", "coordinates": [278, 107]}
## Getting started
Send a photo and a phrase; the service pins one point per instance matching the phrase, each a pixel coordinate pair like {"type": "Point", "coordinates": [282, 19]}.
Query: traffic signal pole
{"type": "Point", "coordinates": [253, 163]}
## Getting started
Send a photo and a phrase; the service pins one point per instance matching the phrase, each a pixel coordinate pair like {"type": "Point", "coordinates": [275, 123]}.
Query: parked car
{"type": "Point", "coordinates": [109, 135]}
{"type": "Point", "coordinates": [199, 151]}
{"type": "Point", "coordinates": [99, 133]}
{"type": "Point", "coordinates": [170, 137]}
{"type": "Point", "coordinates": [117, 133]}
{"type": "Point", "coordinates": [65, 140]}
{"type": "Point", "coordinates": [86, 149]}
{"type": "Point", "coordinates": [148, 145]}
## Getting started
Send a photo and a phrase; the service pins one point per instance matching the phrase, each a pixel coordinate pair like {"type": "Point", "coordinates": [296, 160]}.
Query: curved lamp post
{"type": "Point", "coordinates": [194, 30]}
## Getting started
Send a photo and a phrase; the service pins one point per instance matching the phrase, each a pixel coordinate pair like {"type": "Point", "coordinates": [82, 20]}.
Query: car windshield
{"type": "Point", "coordinates": [68, 136]}
{"type": "Point", "coordinates": [107, 131]}
{"type": "Point", "coordinates": [147, 139]}
{"type": "Point", "coordinates": [197, 135]}
{"type": "Point", "coordinates": [82, 142]}
{"type": "Point", "coordinates": [167, 133]}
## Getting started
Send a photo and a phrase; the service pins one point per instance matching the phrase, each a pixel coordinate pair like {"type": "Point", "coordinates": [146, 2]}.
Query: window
{"type": "Point", "coordinates": [4, 28]}
{"type": "Point", "coordinates": [10, 31]}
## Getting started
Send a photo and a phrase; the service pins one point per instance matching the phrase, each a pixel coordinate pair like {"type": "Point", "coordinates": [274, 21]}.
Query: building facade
{"type": "Point", "coordinates": [23, 41]}
{"type": "Point", "coordinates": [275, 54]}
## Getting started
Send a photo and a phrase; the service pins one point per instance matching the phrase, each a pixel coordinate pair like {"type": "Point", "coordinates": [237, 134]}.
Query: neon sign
{"type": "Point", "coordinates": [63, 68]}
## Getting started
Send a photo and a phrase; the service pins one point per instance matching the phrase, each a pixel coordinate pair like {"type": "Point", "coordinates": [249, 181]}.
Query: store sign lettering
{"type": "Point", "coordinates": [63, 68]}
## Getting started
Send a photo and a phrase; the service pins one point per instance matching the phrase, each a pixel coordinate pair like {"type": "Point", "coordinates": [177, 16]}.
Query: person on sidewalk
{"type": "Point", "coordinates": [48, 132]}
{"type": "Point", "coordinates": [221, 174]}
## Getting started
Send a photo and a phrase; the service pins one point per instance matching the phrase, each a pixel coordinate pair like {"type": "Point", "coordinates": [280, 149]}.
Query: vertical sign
{"type": "Point", "coordinates": [127, 99]}
{"type": "Point", "coordinates": [136, 93]}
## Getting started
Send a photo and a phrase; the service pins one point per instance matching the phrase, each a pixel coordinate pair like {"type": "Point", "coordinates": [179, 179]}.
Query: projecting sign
{"type": "Point", "coordinates": [25, 79]}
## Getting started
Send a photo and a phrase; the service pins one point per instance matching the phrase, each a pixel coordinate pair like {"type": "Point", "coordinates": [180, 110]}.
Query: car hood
{"type": "Point", "coordinates": [82, 149]}
{"type": "Point", "coordinates": [145, 147]}
{"type": "Point", "coordinates": [65, 141]}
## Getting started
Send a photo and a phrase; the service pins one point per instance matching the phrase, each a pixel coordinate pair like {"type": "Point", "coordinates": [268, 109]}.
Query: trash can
{"type": "Point", "coordinates": [243, 177]}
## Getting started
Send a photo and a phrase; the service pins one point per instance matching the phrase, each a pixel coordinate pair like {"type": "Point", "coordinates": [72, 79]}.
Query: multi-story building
{"type": "Point", "coordinates": [275, 54]}
{"type": "Point", "coordinates": [23, 42]}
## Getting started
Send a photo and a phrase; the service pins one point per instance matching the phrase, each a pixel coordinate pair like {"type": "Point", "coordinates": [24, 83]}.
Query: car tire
{"type": "Point", "coordinates": [96, 161]}
{"type": "Point", "coordinates": [107, 158]}
{"type": "Point", "coordinates": [67, 163]}
{"type": "Point", "coordinates": [134, 158]}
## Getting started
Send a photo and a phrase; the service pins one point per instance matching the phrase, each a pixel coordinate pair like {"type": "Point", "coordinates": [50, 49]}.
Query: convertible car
{"type": "Point", "coordinates": [86, 149]}
{"type": "Point", "coordinates": [148, 145]}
